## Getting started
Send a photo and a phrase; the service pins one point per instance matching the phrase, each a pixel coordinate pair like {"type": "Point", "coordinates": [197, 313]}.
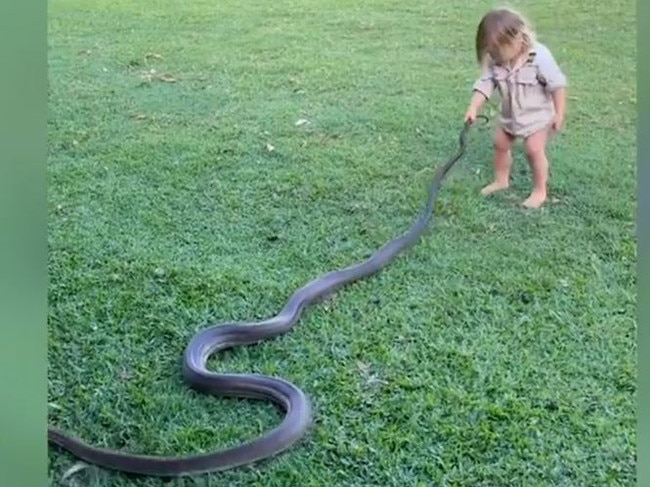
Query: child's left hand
{"type": "Point", "coordinates": [557, 124]}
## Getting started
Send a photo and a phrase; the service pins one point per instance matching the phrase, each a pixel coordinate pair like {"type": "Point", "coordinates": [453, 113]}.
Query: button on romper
{"type": "Point", "coordinates": [525, 92]}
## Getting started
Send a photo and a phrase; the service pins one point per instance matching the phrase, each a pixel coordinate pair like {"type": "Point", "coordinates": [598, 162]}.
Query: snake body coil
{"type": "Point", "coordinates": [297, 407]}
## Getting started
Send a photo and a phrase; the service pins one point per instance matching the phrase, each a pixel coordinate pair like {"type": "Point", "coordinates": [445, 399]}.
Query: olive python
{"type": "Point", "coordinates": [293, 401]}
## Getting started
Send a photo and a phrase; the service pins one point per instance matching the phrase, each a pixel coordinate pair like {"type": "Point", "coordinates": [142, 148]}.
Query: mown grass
{"type": "Point", "coordinates": [499, 351]}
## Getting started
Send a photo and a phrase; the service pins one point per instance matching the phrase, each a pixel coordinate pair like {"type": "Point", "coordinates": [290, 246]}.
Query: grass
{"type": "Point", "coordinates": [499, 351]}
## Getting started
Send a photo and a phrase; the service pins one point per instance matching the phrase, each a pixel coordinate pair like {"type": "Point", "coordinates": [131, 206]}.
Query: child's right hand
{"type": "Point", "coordinates": [475, 105]}
{"type": "Point", "coordinates": [470, 115]}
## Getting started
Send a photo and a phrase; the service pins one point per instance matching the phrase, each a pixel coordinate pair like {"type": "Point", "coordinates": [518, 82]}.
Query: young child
{"type": "Point", "coordinates": [532, 91]}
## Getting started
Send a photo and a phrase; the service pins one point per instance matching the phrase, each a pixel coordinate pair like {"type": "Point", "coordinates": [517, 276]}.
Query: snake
{"type": "Point", "coordinates": [297, 407]}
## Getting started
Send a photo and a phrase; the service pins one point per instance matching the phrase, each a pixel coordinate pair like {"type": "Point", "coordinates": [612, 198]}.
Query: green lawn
{"type": "Point", "coordinates": [499, 351]}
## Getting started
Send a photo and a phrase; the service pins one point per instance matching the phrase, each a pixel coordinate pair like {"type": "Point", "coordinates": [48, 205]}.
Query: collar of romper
{"type": "Point", "coordinates": [531, 57]}
{"type": "Point", "coordinates": [531, 54]}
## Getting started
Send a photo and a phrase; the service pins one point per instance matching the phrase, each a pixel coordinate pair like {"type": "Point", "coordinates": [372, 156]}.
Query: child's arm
{"type": "Point", "coordinates": [554, 79]}
{"type": "Point", "coordinates": [481, 91]}
{"type": "Point", "coordinates": [477, 100]}
{"type": "Point", "coordinates": [483, 87]}
{"type": "Point", "coordinates": [475, 104]}
{"type": "Point", "coordinates": [559, 100]}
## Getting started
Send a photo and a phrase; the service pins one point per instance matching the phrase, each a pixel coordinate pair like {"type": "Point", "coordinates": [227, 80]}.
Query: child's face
{"type": "Point", "coordinates": [507, 53]}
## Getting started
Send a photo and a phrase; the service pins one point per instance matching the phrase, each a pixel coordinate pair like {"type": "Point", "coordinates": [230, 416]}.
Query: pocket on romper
{"type": "Point", "coordinates": [527, 75]}
{"type": "Point", "coordinates": [529, 92]}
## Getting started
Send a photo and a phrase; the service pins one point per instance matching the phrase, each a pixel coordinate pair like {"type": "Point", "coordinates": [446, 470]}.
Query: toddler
{"type": "Point", "coordinates": [532, 91]}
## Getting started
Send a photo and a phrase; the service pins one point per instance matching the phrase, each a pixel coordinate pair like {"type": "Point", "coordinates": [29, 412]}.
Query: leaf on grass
{"type": "Point", "coordinates": [301, 122]}
{"type": "Point", "coordinates": [270, 148]}
{"type": "Point", "coordinates": [167, 78]}
{"type": "Point", "coordinates": [153, 55]}
{"type": "Point", "coordinates": [363, 367]}
{"type": "Point", "coordinates": [77, 467]}
{"type": "Point", "coordinates": [148, 77]}
{"type": "Point", "coordinates": [153, 75]}
{"type": "Point", "coordinates": [369, 377]}
{"type": "Point", "coordinates": [139, 116]}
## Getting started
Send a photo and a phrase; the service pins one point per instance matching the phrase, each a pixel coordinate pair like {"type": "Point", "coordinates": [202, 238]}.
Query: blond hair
{"type": "Point", "coordinates": [501, 26]}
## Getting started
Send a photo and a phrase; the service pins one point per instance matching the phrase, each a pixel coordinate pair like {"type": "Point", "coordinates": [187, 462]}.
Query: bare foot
{"type": "Point", "coordinates": [535, 200]}
{"type": "Point", "coordinates": [494, 187]}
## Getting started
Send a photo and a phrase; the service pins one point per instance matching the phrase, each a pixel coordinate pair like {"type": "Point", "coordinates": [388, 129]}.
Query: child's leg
{"type": "Point", "coordinates": [535, 145]}
{"type": "Point", "coordinates": [503, 142]}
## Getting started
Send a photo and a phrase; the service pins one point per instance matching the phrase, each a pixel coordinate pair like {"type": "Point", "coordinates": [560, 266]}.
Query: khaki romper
{"type": "Point", "coordinates": [525, 92]}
